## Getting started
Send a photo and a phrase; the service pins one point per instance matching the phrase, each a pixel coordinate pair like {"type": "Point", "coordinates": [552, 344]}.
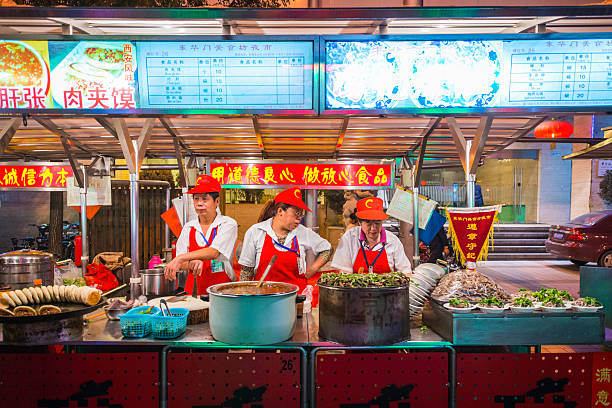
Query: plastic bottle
{"type": "Point", "coordinates": [155, 260]}
{"type": "Point", "coordinates": [308, 302]}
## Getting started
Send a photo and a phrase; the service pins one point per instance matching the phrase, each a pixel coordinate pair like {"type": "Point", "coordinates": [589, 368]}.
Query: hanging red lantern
{"type": "Point", "coordinates": [553, 129]}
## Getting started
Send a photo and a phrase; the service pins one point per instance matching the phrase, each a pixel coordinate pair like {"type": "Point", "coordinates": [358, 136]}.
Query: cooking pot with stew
{"type": "Point", "coordinates": [240, 313]}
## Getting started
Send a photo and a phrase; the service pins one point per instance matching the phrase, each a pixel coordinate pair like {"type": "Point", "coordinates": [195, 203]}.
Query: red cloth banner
{"type": "Point", "coordinates": [470, 229]}
{"type": "Point", "coordinates": [24, 176]}
{"type": "Point", "coordinates": [305, 175]}
{"type": "Point", "coordinates": [602, 380]}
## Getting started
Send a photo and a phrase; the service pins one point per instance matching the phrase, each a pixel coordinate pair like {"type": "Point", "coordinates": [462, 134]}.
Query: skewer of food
{"type": "Point", "coordinates": [50, 294]}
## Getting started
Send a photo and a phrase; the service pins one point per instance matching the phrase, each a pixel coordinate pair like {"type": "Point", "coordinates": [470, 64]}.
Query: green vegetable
{"type": "Point", "coordinates": [523, 290]}
{"type": "Point", "coordinates": [423, 328]}
{"type": "Point", "coordinates": [76, 282]}
{"type": "Point", "coordinates": [368, 280]}
{"type": "Point", "coordinates": [553, 301]}
{"type": "Point", "coordinates": [457, 302]}
{"type": "Point", "coordinates": [591, 301]}
{"type": "Point", "coordinates": [522, 302]}
{"type": "Point", "coordinates": [492, 301]}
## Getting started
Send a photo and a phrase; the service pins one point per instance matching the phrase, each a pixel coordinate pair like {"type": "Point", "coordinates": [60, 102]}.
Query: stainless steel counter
{"type": "Point", "coordinates": [101, 331]}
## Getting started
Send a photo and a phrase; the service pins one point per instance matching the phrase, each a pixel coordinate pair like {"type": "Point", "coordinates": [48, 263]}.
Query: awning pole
{"type": "Point", "coordinates": [84, 240]}
{"type": "Point", "coordinates": [135, 250]}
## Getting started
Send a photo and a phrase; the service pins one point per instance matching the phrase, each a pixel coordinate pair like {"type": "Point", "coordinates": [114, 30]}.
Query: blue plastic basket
{"type": "Point", "coordinates": [169, 327]}
{"type": "Point", "coordinates": [134, 324]}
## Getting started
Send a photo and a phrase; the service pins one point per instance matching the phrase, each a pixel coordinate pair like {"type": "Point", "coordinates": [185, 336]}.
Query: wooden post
{"type": "Point", "coordinates": [56, 223]}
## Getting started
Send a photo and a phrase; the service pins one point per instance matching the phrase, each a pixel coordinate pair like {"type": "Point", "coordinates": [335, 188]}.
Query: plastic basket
{"type": "Point", "coordinates": [169, 327]}
{"type": "Point", "coordinates": [134, 324]}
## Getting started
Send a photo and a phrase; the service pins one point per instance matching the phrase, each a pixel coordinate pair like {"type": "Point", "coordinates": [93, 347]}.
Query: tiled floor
{"type": "Point", "coordinates": [563, 275]}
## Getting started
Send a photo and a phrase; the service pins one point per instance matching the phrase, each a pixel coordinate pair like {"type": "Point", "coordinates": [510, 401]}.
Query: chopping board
{"type": "Point", "coordinates": [198, 309]}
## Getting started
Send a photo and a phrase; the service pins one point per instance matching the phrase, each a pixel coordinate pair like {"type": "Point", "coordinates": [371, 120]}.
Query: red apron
{"type": "Point", "coordinates": [285, 269]}
{"type": "Point", "coordinates": [207, 278]}
{"type": "Point", "coordinates": [375, 259]}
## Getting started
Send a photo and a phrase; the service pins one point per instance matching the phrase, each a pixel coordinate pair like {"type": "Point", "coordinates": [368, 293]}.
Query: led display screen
{"type": "Point", "coordinates": [383, 75]}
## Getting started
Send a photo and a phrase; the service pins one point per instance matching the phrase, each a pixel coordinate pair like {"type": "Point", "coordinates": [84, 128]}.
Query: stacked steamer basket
{"type": "Point", "coordinates": [422, 283]}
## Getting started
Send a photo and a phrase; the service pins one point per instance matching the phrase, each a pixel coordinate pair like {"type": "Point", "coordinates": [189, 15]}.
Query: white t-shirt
{"type": "Point", "coordinates": [349, 247]}
{"type": "Point", "coordinates": [256, 235]}
{"type": "Point", "coordinates": [224, 241]}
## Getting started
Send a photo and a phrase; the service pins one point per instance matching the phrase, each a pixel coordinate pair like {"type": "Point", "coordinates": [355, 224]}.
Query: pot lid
{"type": "Point", "coordinates": [26, 256]}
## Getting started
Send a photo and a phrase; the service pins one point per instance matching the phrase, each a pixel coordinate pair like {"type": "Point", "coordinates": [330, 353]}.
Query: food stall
{"type": "Point", "coordinates": [287, 101]}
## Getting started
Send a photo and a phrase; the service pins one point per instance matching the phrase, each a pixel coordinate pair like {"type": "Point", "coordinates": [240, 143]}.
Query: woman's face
{"type": "Point", "coordinates": [289, 219]}
{"type": "Point", "coordinates": [371, 229]}
{"type": "Point", "coordinates": [205, 205]}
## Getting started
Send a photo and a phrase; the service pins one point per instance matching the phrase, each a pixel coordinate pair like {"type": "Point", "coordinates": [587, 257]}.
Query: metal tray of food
{"type": "Point", "coordinates": [514, 329]}
{"type": "Point", "coordinates": [68, 310]}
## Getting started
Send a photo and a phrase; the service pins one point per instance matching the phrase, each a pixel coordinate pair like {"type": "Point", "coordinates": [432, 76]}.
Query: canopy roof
{"type": "Point", "coordinates": [284, 137]}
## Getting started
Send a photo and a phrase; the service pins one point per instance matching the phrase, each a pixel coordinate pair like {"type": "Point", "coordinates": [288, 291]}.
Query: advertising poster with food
{"type": "Point", "coordinates": [24, 75]}
{"type": "Point", "coordinates": [476, 74]}
{"type": "Point", "coordinates": [93, 74]}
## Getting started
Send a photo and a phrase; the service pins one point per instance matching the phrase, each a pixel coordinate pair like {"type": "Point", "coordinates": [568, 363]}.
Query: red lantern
{"type": "Point", "coordinates": [553, 129]}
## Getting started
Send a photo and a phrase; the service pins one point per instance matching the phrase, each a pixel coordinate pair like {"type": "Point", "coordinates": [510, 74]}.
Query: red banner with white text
{"type": "Point", "coordinates": [25, 176]}
{"type": "Point", "coordinates": [305, 175]}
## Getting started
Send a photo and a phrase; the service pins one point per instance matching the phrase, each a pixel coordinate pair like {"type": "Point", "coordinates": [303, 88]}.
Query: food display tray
{"type": "Point", "coordinates": [514, 329]}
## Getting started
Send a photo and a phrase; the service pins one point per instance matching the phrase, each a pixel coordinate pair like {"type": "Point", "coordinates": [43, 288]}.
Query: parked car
{"type": "Point", "coordinates": [587, 238]}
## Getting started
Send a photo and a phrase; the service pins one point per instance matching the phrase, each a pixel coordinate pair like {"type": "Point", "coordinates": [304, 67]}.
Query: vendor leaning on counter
{"type": "Point", "coordinates": [369, 248]}
{"type": "Point", "coordinates": [206, 245]}
{"type": "Point", "coordinates": [280, 233]}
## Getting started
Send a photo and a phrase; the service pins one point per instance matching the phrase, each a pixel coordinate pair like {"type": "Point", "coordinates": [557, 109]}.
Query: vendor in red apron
{"type": "Point", "coordinates": [370, 248]}
{"type": "Point", "coordinates": [206, 245]}
{"type": "Point", "coordinates": [280, 233]}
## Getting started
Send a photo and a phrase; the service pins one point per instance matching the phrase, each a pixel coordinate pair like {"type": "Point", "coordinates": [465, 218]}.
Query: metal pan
{"type": "Point", "coordinates": [68, 310]}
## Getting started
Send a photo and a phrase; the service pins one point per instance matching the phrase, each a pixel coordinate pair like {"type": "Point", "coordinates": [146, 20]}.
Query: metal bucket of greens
{"type": "Point", "coordinates": [364, 309]}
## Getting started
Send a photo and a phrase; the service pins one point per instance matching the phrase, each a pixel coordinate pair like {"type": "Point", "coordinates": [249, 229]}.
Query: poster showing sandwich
{"type": "Point", "coordinates": [68, 75]}
{"type": "Point", "coordinates": [93, 74]}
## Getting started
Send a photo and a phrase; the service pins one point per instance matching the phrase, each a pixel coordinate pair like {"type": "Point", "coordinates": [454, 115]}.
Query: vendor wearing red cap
{"type": "Point", "coordinates": [206, 245]}
{"type": "Point", "coordinates": [369, 248]}
{"type": "Point", "coordinates": [280, 233]}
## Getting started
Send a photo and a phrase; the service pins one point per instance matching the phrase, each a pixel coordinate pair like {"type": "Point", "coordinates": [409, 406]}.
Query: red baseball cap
{"type": "Point", "coordinates": [370, 208]}
{"type": "Point", "coordinates": [205, 184]}
{"type": "Point", "coordinates": [291, 196]}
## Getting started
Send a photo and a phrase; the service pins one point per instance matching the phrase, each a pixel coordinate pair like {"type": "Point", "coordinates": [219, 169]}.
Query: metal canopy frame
{"type": "Point", "coordinates": [337, 135]}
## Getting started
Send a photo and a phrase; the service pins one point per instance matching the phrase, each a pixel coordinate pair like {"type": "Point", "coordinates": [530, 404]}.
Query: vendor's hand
{"type": "Point", "coordinates": [172, 268]}
{"type": "Point", "coordinates": [196, 266]}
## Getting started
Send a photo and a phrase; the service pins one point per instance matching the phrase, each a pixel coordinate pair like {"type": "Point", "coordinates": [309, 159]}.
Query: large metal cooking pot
{"type": "Point", "coordinates": [252, 318]}
{"type": "Point", "coordinates": [364, 316]}
{"type": "Point", "coordinates": [154, 283]}
{"type": "Point", "coordinates": [19, 269]}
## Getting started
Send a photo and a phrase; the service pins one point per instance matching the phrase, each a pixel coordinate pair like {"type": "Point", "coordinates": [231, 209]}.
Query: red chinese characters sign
{"type": "Point", "coordinates": [470, 230]}
{"type": "Point", "coordinates": [34, 176]}
{"type": "Point", "coordinates": [306, 175]}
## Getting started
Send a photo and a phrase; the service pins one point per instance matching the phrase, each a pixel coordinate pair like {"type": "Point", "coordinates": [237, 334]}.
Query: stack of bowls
{"type": "Point", "coordinates": [422, 282]}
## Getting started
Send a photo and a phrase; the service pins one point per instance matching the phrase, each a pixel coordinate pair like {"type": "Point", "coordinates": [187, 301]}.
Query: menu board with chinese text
{"type": "Point", "coordinates": [413, 75]}
{"type": "Point", "coordinates": [226, 75]}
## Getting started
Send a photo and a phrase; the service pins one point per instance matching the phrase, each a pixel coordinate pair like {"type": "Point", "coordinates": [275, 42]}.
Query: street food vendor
{"type": "Point", "coordinates": [370, 248]}
{"type": "Point", "coordinates": [280, 233]}
{"type": "Point", "coordinates": [206, 245]}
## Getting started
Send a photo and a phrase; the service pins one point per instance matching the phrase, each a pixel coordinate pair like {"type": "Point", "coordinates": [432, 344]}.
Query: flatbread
{"type": "Point", "coordinates": [22, 296]}
{"type": "Point", "coordinates": [6, 313]}
{"type": "Point", "coordinates": [41, 295]}
{"type": "Point", "coordinates": [5, 299]}
{"type": "Point", "coordinates": [62, 292]}
{"type": "Point", "coordinates": [71, 290]}
{"type": "Point", "coordinates": [15, 298]}
{"type": "Point", "coordinates": [51, 294]}
{"type": "Point", "coordinates": [24, 311]}
{"type": "Point", "coordinates": [26, 291]}
{"type": "Point", "coordinates": [56, 294]}
{"type": "Point", "coordinates": [93, 297]}
{"type": "Point", "coordinates": [49, 310]}
{"type": "Point", "coordinates": [34, 293]}
{"type": "Point", "coordinates": [46, 293]}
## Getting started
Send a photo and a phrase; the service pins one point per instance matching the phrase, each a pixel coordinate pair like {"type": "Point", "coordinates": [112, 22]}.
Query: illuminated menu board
{"type": "Point", "coordinates": [226, 75]}
{"type": "Point", "coordinates": [413, 75]}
